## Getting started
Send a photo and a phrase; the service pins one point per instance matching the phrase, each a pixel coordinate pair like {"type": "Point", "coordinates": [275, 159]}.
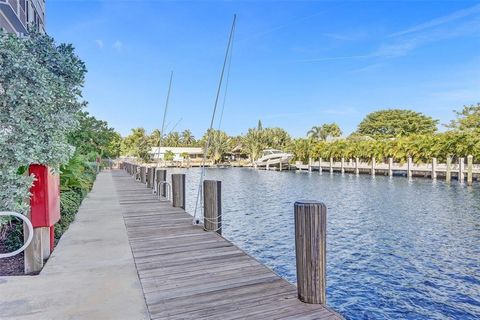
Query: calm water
{"type": "Point", "coordinates": [396, 249]}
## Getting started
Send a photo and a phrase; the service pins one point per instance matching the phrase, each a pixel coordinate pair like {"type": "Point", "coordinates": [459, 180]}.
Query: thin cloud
{"type": "Point", "coordinates": [408, 40]}
{"type": "Point", "coordinates": [321, 59]}
{"type": "Point", "coordinates": [118, 45]}
{"type": "Point", "coordinates": [368, 68]}
{"type": "Point", "coordinates": [439, 21]}
{"type": "Point", "coordinates": [337, 36]}
{"type": "Point", "coordinates": [99, 43]}
{"type": "Point", "coordinates": [279, 27]}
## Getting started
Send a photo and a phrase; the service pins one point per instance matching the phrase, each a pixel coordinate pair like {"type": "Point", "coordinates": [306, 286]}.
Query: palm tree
{"type": "Point", "coordinates": [276, 137]}
{"type": "Point", "coordinates": [187, 138]}
{"type": "Point", "coordinates": [316, 133]}
{"type": "Point", "coordinates": [253, 143]}
{"type": "Point", "coordinates": [155, 137]}
{"type": "Point", "coordinates": [173, 139]}
{"type": "Point", "coordinates": [219, 145]}
{"type": "Point", "coordinates": [324, 131]}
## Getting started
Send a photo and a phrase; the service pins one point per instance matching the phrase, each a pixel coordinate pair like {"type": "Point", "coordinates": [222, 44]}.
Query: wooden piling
{"type": "Point", "coordinates": [178, 190]}
{"type": "Point", "coordinates": [342, 165]}
{"type": "Point", "coordinates": [33, 254]}
{"type": "Point", "coordinates": [372, 170]}
{"type": "Point", "coordinates": [212, 206]}
{"type": "Point", "coordinates": [45, 231]}
{"type": "Point", "coordinates": [160, 175]}
{"type": "Point", "coordinates": [143, 174]}
{"type": "Point", "coordinates": [357, 169]}
{"type": "Point", "coordinates": [461, 169]}
{"type": "Point", "coordinates": [409, 167]}
{"type": "Point", "coordinates": [149, 177]}
{"type": "Point", "coordinates": [309, 164]}
{"type": "Point", "coordinates": [320, 165]}
{"type": "Point", "coordinates": [390, 167]}
{"type": "Point", "coordinates": [469, 170]}
{"type": "Point", "coordinates": [434, 168]}
{"type": "Point", "coordinates": [310, 247]}
{"type": "Point", "coordinates": [448, 173]}
{"type": "Point", "coordinates": [331, 165]}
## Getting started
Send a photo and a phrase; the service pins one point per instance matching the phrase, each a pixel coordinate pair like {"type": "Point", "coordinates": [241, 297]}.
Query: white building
{"type": "Point", "coordinates": [179, 152]}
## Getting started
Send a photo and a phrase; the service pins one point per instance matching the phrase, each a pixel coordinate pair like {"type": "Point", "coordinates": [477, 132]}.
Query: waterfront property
{"type": "Point", "coordinates": [178, 153]}
{"type": "Point", "coordinates": [187, 273]}
{"type": "Point", "coordinates": [164, 267]}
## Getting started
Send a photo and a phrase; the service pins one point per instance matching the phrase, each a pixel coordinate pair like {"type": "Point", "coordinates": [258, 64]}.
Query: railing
{"type": "Point", "coordinates": [168, 191]}
{"type": "Point", "coordinates": [30, 233]}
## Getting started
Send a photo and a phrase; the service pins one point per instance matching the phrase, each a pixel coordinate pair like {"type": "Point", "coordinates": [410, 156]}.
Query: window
{"type": "Point", "coordinates": [27, 5]}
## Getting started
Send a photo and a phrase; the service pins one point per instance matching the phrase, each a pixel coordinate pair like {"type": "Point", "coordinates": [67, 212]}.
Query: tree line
{"type": "Point", "coordinates": [396, 133]}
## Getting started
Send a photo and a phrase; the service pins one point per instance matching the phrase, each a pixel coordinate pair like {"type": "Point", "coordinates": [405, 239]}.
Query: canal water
{"type": "Point", "coordinates": [396, 249]}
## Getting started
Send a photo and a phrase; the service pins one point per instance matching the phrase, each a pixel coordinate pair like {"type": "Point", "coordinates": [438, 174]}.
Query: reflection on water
{"type": "Point", "coordinates": [396, 248]}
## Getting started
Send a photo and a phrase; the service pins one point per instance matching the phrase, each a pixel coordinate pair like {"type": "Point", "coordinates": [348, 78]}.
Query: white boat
{"type": "Point", "coordinates": [273, 157]}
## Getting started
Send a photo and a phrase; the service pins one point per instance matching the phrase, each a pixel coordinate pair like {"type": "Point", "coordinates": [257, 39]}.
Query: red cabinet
{"type": "Point", "coordinates": [45, 199]}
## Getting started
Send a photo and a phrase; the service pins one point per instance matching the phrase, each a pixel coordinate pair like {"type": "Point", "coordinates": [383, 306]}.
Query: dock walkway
{"type": "Point", "coordinates": [187, 273]}
{"type": "Point", "coordinates": [128, 256]}
{"type": "Point", "coordinates": [90, 275]}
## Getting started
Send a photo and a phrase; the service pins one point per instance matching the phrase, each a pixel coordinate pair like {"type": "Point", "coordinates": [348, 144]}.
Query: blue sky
{"type": "Point", "coordinates": [295, 63]}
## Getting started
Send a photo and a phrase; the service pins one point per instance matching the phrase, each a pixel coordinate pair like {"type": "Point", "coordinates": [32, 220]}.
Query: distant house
{"type": "Point", "coordinates": [237, 154]}
{"type": "Point", "coordinates": [179, 152]}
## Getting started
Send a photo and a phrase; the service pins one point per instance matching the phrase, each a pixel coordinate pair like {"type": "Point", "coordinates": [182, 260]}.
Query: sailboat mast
{"type": "Point", "coordinates": [209, 132]}
{"type": "Point", "coordinates": [229, 45]}
{"type": "Point", "coordinates": [164, 117]}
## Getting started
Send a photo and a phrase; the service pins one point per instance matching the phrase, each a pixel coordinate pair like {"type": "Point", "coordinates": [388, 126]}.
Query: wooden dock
{"type": "Point", "coordinates": [187, 273]}
{"type": "Point", "coordinates": [461, 170]}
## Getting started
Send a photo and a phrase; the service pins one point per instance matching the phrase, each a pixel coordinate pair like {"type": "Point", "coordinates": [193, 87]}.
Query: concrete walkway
{"type": "Point", "coordinates": [90, 275]}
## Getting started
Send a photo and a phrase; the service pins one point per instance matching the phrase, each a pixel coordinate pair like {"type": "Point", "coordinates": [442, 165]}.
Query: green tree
{"type": "Point", "coordinates": [187, 138]}
{"type": "Point", "coordinates": [396, 123]}
{"type": "Point", "coordinates": [173, 139]}
{"type": "Point", "coordinates": [219, 144]}
{"type": "Point", "coordinates": [302, 149]}
{"type": "Point", "coordinates": [155, 138]}
{"type": "Point", "coordinates": [40, 95]}
{"type": "Point", "coordinates": [137, 144]}
{"type": "Point", "coordinates": [253, 143]}
{"type": "Point", "coordinates": [169, 155]}
{"type": "Point", "coordinates": [468, 119]}
{"type": "Point", "coordinates": [324, 131]}
{"type": "Point", "coordinates": [93, 136]}
{"type": "Point", "coordinates": [276, 138]}
{"type": "Point", "coordinates": [115, 146]}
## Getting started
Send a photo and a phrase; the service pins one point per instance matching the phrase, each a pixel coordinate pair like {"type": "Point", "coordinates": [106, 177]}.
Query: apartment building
{"type": "Point", "coordinates": [18, 16]}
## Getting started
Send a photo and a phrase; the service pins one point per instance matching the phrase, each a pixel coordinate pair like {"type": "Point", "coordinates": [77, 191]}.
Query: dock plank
{"type": "Point", "coordinates": [187, 273]}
